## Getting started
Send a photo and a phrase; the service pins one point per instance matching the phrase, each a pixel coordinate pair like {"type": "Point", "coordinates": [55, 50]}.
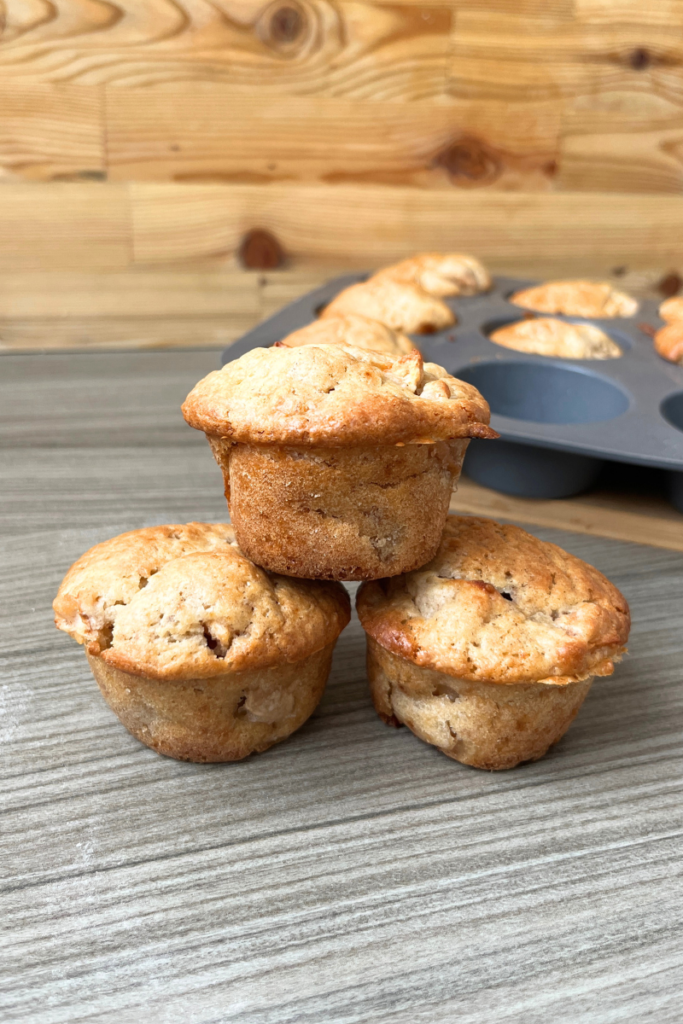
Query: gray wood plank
{"type": "Point", "coordinates": [352, 874]}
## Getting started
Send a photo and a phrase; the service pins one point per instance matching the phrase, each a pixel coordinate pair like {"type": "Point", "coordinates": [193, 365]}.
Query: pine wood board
{"type": "Point", "coordinates": [351, 875]}
{"type": "Point", "coordinates": [493, 95]}
{"type": "Point", "coordinates": [356, 49]}
{"type": "Point", "coordinates": [50, 132]}
{"type": "Point", "coordinates": [199, 132]}
{"type": "Point", "coordinates": [666, 12]}
{"type": "Point", "coordinates": [372, 225]}
{"type": "Point", "coordinates": [114, 226]}
{"type": "Point", "coordinates": [514, 55]}
{"type": "Point", "coordinates": [643, 518]}
{"type": "Point", "coordinates": [60, 226]}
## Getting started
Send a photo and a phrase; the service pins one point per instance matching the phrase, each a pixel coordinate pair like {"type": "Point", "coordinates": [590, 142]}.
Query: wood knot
{"type": "Point", "coordinates": [669, 285]}
{"type": "Point", "coordinates": [469, 161]}
{"type": "Point", "coordinates": [284, 26]}
{"type": "Point", "coordinates": [640, 58]}
{"type": "Point", "coordinates": [259, 250]}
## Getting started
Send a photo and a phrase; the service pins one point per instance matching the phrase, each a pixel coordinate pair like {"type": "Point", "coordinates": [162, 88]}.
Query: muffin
{"type": "Point", "coordinates": [668, 341]}
{"type": "Point", "coordinates": [202, 655]}
{"type": "Point", "coordinates": [576, 298]}
{"type": "Point", "coordinates": [672, 309]}
{"type": "Point", "coordinates": [440, 274]}
{"type": "Point", "coordinates": [489, 651]}
{"type": "Point", "coordinates": [357, 331]}
{"type": "Point", "coordinates": [399, 305]}
{"type": "Point", "coordinates": [548, 337]}
{"type": "Point", "coordinates": [338, 463]}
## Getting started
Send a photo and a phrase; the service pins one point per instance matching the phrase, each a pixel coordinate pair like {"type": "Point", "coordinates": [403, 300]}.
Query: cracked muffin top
{"type": "Point", "coordinates": [548, 337]}
{"type": "Point", "coordinates": [398, 304]}
{"type": "Point", "coordinates": [178, 602]}
{"type": "Point", "coordinates": [576, 298]}
{"type": "Point", "coordinates": [440, 274]}
{"type": "Point", "coordinates": [356, 331]}
{"type": "Point", "coordinates": [336, 396]}
{"type": "Point", "coordinates": [498, 605]}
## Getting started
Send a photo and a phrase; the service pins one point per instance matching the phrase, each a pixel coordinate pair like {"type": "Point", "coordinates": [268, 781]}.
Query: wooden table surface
{"type": "Point", "coordinates": [352, 874]}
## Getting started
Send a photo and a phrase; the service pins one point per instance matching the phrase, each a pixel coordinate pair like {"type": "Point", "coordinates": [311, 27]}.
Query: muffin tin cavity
{"type": "Point", "coordinates": [559, 418]}
{"type": "Point", "coordinates": [542, 393]}
{"type": "Point", "coordinates": [672, 410]}
{"type": "Point", "coordinates": [528, 472]}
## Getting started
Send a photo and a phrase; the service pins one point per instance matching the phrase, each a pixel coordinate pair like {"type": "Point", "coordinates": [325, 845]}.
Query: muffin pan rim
{"type": "Point", "coordinates": [640, 434]}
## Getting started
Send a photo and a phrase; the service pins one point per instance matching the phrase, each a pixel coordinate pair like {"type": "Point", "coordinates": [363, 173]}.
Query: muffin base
{"type": "Point", "coordinates": [223, 718]}
{"type": "Point", "coordinates": [485, 725]}
{"type": "Point", "coordinates": [357, 513]}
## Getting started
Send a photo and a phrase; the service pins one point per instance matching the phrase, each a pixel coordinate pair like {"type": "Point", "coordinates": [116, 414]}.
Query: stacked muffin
{"type": "Point", "coordinates": [340, 449]}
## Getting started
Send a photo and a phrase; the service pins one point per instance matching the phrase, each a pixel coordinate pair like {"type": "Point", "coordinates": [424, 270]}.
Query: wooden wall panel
{"type": "Point", "coordinates": [193, 228]}
{"type": "Point", "coordinates": [546, 135]}
{"type": "Point", "coordinates": [198, 133]}
{"type": "Point", "coordinates": [643, 162]}
{"type": "Point", "coordinates": [490, 94]}
{"type": "Point", "coordinates": [514, 57]}
{"type": "Point", "coordinates": [365, 226]}
{"type": "Point", "coordinates": [130, 308]}
{"type": "Point", "coordinates": [64, 226]}
{"type": "Point", "coordinates": [140, 308]}
{"type": "Point", "coordinates": [50, 132]}
{"type": "Point", "coordinates": [355, 49]}
{"type": "Point", "coordinates": [634, 12]}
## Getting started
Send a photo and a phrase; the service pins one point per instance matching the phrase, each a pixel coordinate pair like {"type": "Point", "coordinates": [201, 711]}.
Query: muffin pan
{"type": "Point", "coordinates": [559, 419]}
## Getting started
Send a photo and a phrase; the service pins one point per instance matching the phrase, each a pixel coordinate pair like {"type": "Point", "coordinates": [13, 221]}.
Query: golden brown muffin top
{"type": "Point", "coordinates": [668, 341]}
{"type": "Point", "coordinates": [399, 305]}
{"type": "Point", "coordinates": [548, 337]}
{"type": "Point", "coordinates": [440, 273]}
{"type": "Point", "coordinates": [356, 331]}
{"type": "Point", "coordinates": [576, 298]}
{"type": "Point", "coordinates": [336, 396]}
{"type": "Point", "coordinates": [183, 602]}
{"type": "Point", "coordinates": [672, 309]}
{"type": "Point", "coordinates": [498, 605]}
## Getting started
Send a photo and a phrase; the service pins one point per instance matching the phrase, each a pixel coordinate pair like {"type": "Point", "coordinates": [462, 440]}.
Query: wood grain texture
{"type": "Point", "coordinates": [491, 95]}
{"type": "Point", "coordinates": [368, 226]}
{"type": "Point", "coordinates": [64, 226]}
{"type": "Point", "coordinates": [494, 125]}
{"type": "Point", "coordinates": [514, 56]}
{"type": "Point", "coordinates": [199, 132]}
{"type": "Point", "coordinates": [168, 307]}
{"type": "Point", "coordinates": [350, 875]}
{"type": "Point", "coordinates": [141, 308]}
{"type": "Point", "coordinates": [666, 12]}
{"type": "Point", "coordinates": [50, 133]}
{"type": "Point", "coordinates": [303, 46]}
{"type": "Point", "coordinates": [645, 517]}
{"type": "Point", "coordinates": [325, 228]}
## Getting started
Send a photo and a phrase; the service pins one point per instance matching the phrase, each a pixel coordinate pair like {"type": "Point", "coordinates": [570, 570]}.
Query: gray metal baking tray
{"type": "Point", "coordinates": [559, 419]}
